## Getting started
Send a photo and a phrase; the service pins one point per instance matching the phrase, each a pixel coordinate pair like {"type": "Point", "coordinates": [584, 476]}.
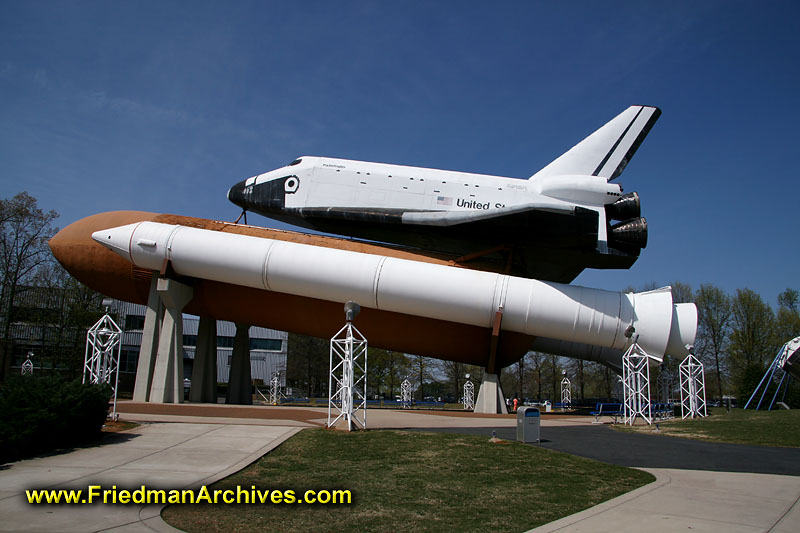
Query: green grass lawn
{"type": "Point", "coordinates": [762, 428]}
{"type": "Point", "coordinates": [412, 481]}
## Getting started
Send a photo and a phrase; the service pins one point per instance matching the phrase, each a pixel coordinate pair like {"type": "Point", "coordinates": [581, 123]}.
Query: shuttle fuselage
{"type": "Point", "coordinates": [553, 225]}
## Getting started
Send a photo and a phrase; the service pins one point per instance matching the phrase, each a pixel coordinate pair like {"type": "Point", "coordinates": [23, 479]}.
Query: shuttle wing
{"type": "Point", "coordinates": [606, 152]}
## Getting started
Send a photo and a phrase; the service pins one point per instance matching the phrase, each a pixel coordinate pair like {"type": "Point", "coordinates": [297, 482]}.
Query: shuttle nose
{"type": "Point", "coordinates": [236, 194]}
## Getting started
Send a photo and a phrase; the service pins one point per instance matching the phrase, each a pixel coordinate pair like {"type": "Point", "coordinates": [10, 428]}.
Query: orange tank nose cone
{"type": "Point", "coordinates": [94, 265]}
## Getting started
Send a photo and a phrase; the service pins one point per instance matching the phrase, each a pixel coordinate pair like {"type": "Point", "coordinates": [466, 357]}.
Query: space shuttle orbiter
{"type": "Point", "coordinates": [566, 217]}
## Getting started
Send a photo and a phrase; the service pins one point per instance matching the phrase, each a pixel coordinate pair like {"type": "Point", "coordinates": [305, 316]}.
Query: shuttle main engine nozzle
{"type": "Point", "coordinates": [626, 207]}
{"type": "Point", "coordinates": [630, 233]}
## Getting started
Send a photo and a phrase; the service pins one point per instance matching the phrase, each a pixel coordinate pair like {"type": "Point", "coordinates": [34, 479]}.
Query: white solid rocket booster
{"type": "Point", "coordinates": [552, 310]}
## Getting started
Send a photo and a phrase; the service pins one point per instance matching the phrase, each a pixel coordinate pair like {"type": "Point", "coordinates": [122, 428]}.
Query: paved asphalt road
{"type": "Point", "coordinates": [655, 451]}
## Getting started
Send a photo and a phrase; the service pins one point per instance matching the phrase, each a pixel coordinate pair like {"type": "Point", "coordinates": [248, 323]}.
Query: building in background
{"type": "Point", "coordinates": [268, 347]}
{"type": "Point", "coordinates": [50, 323]}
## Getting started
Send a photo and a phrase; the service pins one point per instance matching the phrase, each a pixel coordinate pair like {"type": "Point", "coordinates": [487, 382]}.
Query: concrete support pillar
{"type": "Point", "coordinates": [490, 397]}
{"type": "Point", "coordinates": [204, 371]}
{"type": "Point", "coordinates": [240, 384]}
{"type": "Point", "coordinates": [149, 348]}
{"type": "Point", "coordinates": [167, 386]}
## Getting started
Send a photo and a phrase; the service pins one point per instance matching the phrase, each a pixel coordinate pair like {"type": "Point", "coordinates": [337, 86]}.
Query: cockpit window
{"type": "Point", "coordinates": [295, 162]}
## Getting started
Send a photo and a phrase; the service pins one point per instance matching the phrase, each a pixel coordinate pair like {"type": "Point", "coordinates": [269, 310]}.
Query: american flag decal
{"type": "Point", "coordinates": [444, 200]}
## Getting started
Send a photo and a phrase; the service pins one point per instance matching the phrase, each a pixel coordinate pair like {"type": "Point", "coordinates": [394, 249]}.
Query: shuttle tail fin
{"type": "Point", "coordinates": [606, 152]}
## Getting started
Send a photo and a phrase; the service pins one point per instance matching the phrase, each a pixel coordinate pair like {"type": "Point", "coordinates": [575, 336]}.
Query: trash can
{"type": "Point", "coordinates": [528, 422]}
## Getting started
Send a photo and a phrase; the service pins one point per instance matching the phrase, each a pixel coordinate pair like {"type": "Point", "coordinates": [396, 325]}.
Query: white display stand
{"type": "Point", "coordinates": [405, 394]}
{"type": "Point", "coordinates": [636, 385]}
{"type": "Point", "coordinates": [275, 393]}
{"type": "Point", "coordinates": [469, 395]}
{"type": "Point", "coordinates": [27, 367]}
{"type": "Point", "coordinates": [347, 383]}
{"type": "Point", "coordinates": [566, 392]}
{"type": "Point", "coordinates": [693, 388]}
{"type": "Point", "coordinates": [101, 359]}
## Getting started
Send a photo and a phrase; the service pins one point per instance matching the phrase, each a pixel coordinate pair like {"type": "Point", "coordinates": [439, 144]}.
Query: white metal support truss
{"type": "Point", "coordinates": [27, 367]}
{"type": "Point", "coordinates": [405, 394]}
{"type": "Point", "coordinates": [347, 383]}
{"type": "Point", "coordinates": [636, 385]}
{"type": "Point", "coordinates": [693, 388]}
{"type": "Point", "coordinates": [101, 359]}
{"type": "Point", "coordinates": [566, 392]}
{"type": "Point", "coordinates": [275, 393]}
{"type": "Point", "coordinates": [469, 395]}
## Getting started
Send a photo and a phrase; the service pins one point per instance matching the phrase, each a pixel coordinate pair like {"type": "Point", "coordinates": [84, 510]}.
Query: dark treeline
{"type": "Point", "coordinates": [43, 309]}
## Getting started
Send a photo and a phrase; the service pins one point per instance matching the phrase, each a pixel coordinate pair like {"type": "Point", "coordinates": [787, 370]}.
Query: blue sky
{"type": "Point", "coordinates": [161, 106]}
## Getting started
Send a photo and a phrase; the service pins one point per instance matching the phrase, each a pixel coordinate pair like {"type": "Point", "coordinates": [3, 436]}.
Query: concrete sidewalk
{"type": "Point", "coordinates": [168, 456]}
{"type": "Point", "coordinates": [681, 500]}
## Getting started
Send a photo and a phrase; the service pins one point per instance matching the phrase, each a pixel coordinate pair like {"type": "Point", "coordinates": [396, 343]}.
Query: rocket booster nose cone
{"type": "Point", "coordinates": [117, 239]}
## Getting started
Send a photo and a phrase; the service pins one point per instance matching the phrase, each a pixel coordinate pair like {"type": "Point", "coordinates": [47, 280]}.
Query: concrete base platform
{"type": "Point", "coordinates": [317, 416]}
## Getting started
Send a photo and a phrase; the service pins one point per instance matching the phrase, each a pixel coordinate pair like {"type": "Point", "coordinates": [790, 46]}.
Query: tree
{"type": "Point", "coordinates": [397, 364]}
{"type": "Point", "coordinates": [608, 380]}
{"type": "Point", "coordinates": [554, 371]}
{"type": "Point", "coordinates": [71, 309]}
{"type": "Point", "coordinates": [538, 361]}
{"type": "Point", "coordinates": [386, 369]}
{"type": "Point", "coordinates": [578, 371]}
{"type": "Point", "coordinates": [787, 323]}
{"type": "Point", "coordinates": [519, 371]}
{"type": "Point", "coordinates": [787, 327]}
{"type": "Point", "coordinates": [24, 232]}
{"type": "Point", "coordinates": [454, 372]}
{"type": "Point", "coordinates": [308, 363]}
{"type": "Point", "coordinates": [421, 369]}
{"type": "Point", "coordinates": [649, 286]}
{"type": "Point", "coordinates": [377, 370]}
{"type": "Point", "coordinates": [713, 327]}
{"type": "Point", "coordinates": [789, 299]}
{"type": "Point", "coordinates": [682, 293]}
{"type": "Point", "coordinates": [752, 338]}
